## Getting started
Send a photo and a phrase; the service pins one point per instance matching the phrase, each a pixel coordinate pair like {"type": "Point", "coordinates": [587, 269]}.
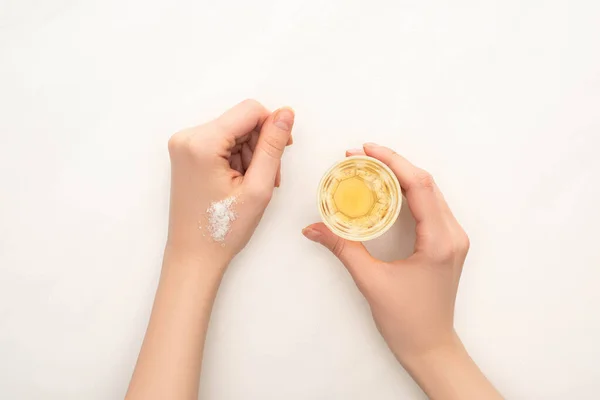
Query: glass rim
{"type": "Point", "coordinates": [384, 228]}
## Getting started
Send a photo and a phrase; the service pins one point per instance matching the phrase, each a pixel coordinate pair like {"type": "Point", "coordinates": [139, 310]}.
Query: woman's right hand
{"type": "Point", "coordinates": [412, 300]}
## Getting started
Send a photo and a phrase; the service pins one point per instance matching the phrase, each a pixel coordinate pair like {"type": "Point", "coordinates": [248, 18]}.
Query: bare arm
{"type": "Point", "coordinates": [448, 372]}
{"type": "Point", "coordinates": [169, 362]}
{"type": "Point", "coordinates": [233, 161]}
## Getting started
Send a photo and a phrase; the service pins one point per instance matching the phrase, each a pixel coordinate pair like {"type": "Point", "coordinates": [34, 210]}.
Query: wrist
{"type": "Point", "coordinates": [445, 352]}
{"type": "Point", "coordinates": [205, 257]}
{"type": "Point", "coordinates": [206, 266]}
{"type": "Point", "coordinates": [448, 372]}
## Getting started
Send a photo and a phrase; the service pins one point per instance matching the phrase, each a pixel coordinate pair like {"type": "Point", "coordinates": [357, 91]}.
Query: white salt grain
{"type": "Point", "coordinates": [220, 217]}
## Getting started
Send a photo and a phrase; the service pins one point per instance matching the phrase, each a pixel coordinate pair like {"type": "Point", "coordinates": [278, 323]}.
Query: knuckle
{"type": "Point", "coordinates": [464, 243]}
{"type": "Point", "coordinates": [272, 146]}
{"type": "Point", "coordinates": [423, 179]}
{"type": "Point", "coordinates": [192, 143]}
{"type": "Point", "coordinates": [251, 103]}
{"type": "Point", "coordinates": [259, 195]}
{"type": "Point", "coordinates": [446, 251]}
{"type": "Point", "coordinates": [452, 248]}
{"type": "Point", "coordinates": [177, 142]}
{"type": "Point", "coordinates": [338, 247]}
{"type": "Point", "coordinates": [394, 157]}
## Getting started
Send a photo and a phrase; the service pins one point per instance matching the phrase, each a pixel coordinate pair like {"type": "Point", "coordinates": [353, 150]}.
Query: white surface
{"type": "Point", "coordinates": [500, 100]}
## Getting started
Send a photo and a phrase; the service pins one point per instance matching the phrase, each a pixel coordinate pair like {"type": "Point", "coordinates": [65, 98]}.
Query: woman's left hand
{"type": "Point", "coordinates": [235, 156]}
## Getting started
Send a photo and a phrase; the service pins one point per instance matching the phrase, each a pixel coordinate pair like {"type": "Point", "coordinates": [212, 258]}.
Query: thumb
{"type": "Point", "coordinates": [353, 255]}
{"type": "Point", "coordinates": [274, 136]}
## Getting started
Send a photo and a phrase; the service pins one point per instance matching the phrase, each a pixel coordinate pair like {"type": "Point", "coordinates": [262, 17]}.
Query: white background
{"type": "Point", "coordinates": [500, 100]}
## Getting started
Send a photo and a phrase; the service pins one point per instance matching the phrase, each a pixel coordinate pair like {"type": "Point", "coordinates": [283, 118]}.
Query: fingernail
{"type": "Point", "coordinates": [370, 144]}
{"type": "Point", "coordinates": [290, 141]}
{"type": "Point", "coordinates": [311, 234]}
{"type": "Point", "coordinates": [284, 119]}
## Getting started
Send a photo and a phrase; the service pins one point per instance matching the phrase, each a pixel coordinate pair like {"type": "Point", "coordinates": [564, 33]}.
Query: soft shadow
{"type": "Point", "coordinates": [399, 241]}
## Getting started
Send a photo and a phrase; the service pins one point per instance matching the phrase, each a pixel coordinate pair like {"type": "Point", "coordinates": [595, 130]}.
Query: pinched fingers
{"type": "Point", "coordinates": [438, 233]}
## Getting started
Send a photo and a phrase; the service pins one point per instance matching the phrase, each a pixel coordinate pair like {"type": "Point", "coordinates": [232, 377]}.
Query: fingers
{"type": "Point", "coordinates": [246, 156]}
{"type": "Point", "coordinates": [241, 119]}
{"type": "Point", "coordinates": [248, 149]}
{"type": "Point", "coordinates": [355, 152]}
{"type": "Point", "coordinates": [438, 232]}
{"type": "Point", "coordinates": [274, 136]}
{"type": "Point", "coordinates": [353, 255]}
{"type": "Point", "coordinates": [253, 140]}
{"type": "Point", "coordinates": [236, 163]}
{"type": "Point", "coordinates": [278, 177]}
{"type": "Point", "coordinates": [421, 191]}
{"type": "Point", "coordinates": [246, 145]}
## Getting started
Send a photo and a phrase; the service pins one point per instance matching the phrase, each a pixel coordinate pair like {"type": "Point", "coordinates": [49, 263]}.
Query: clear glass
{"type": "Point", "coordinates": [359, 198]}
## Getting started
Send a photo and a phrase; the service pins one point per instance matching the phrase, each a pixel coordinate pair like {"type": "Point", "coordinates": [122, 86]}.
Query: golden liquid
{"type": "Point", "coordinates": [354, 198]}
{"type": "Point", "coordinates": [359, 198]}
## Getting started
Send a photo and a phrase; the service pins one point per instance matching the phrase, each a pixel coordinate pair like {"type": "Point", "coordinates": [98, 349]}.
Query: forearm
{"type": "Point", "coordinates": [170, 359]}
{"type": "Point", "coordinates": [449, 373]}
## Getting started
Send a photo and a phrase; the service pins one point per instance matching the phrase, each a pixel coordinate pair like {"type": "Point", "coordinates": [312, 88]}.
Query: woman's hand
{"type": "Point", "coordinates": [412, 300]}
{"type": "Point", "coordinates": [234, 156]}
